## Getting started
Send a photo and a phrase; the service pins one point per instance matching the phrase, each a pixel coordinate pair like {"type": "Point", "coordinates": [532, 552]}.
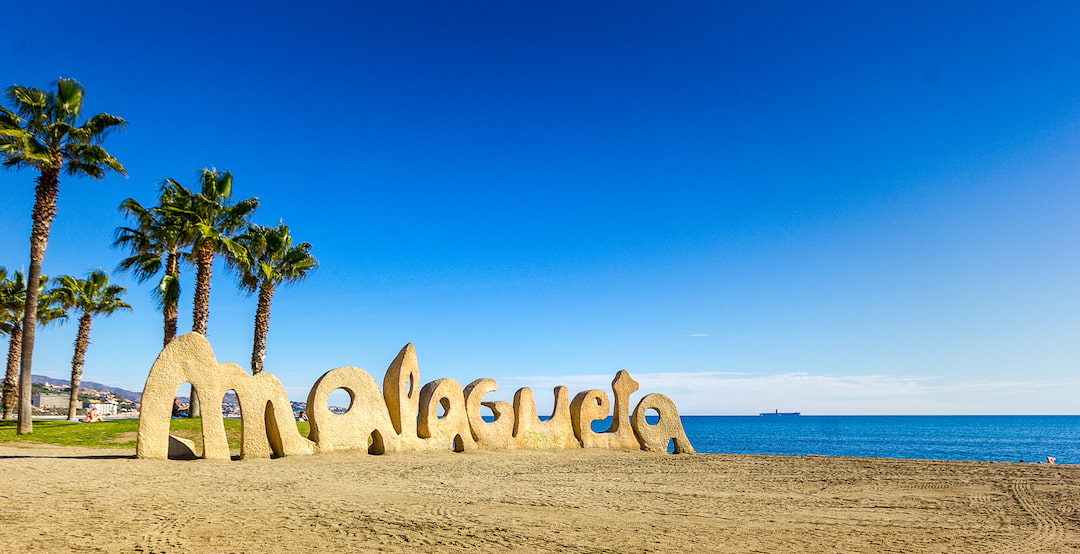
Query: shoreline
{"type": "Point", "coordinates": [103, 500]}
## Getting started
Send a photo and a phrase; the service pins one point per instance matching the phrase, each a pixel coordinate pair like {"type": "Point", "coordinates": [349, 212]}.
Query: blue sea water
{"type": "Point", "coordinates": [983, 438]}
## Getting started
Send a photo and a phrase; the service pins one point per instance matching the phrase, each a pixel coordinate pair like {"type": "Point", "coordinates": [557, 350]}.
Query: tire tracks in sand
{"type": "Point", "coordinates": [1050, 526]}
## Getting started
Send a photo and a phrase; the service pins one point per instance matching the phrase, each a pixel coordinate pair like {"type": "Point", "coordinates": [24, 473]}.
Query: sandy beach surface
{"type": "Point", "coordinates": [61, 499]}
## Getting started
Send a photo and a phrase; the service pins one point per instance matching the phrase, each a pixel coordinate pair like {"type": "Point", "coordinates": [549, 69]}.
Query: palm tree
{"type": "Point", "coordinates": [41, 133]}
{"type": "Point", "coordinates": [10, 314]}
{"type": "Point", "coordinates": [12, 300]}
{"type": "Point", "coordinates": [156, 241]}
{"type": "Point", "coordinates": [210, 219]}
{"type": "Point", "coordinates": [92, 296]}
{"type": "Point", "coordinates": [267, 259]}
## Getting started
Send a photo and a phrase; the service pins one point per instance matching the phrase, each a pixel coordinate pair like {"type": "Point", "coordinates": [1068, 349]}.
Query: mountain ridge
{"type": "Point", "coordinates": [123, 393]}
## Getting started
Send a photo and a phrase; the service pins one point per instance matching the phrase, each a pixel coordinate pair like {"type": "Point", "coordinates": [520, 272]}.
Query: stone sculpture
{"type": "Point", "coordinates": [533, 434]}
{"type": "Point", "coordinates": [591, 405]}
{"type": "Point", "coordinates": [404, 416]}
{"type": "Point", "coordinates": [189, 359]}
{"type": "Point", "coordinates": [498, 433]}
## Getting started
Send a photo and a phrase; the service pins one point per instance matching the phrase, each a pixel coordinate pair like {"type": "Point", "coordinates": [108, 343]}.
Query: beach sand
{"type": "Point", "coordinates": [59, 499]}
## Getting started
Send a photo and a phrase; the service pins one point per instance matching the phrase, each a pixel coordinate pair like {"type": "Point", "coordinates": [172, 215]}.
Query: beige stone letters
{"type": "Point", "coordinates": [403, 416]}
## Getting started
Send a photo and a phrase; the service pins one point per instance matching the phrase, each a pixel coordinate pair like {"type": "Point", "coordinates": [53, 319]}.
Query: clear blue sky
{"type": "Point", "coordinates": [833, 207]}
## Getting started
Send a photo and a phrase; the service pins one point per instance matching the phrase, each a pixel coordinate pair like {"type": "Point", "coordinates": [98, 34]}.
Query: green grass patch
{"type": "Point", "coordinates": [117, 433]}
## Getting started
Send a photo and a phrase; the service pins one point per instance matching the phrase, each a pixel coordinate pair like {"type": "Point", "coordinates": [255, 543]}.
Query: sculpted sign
{"type": "Point", "coordinates": [404, 416]}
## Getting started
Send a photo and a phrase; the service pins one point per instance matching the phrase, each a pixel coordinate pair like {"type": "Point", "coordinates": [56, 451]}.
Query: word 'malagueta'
{"type": "Point", "coordinates": [402, 417]}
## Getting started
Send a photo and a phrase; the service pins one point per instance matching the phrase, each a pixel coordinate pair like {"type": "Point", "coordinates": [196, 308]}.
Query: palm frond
{"type": "Point", "coordinates": [68, 100]}
{"type": "Point", "coordinates": [142, 266]}
{"type": "Point", "coordinates": [91, 160]}
{"type": "Point", "coordinates": [10, 126]}
{"type": "Point", "coordinates": [167, 292]}
{"type": "Point", "coordinates": [98, 127]}
{"type": "Point", "coordinates": [42, 129]}
{"type": "Point", "coordinates": [269, 257]}
{"type": "Point", "coordinates": [10, 120]}
{"type": "Point", "coordinates": [215, 185]}
{"type": "Point", "coordinates": [30, 103]}
{"type": "Point", "coordinates": [93, 295]}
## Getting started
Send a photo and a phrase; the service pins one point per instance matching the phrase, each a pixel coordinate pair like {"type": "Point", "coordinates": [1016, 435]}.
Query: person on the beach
{"type": "Point", "coordinates": [176, 407]}
{"type": "Point", "coordinates": [93, 416]}
{"type": "Point", "coordinates": [302, 416]}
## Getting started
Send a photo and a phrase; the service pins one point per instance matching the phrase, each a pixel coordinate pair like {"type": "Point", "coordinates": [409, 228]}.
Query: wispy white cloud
{"type": "Point", "coordinates": [600, 380]}
{"type": "Point", "coordinates": [698, 335]}
{"type": "Point", "coordinates": [720, 393]}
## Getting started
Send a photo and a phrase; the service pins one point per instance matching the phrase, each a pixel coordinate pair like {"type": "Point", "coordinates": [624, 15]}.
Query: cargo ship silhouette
{"type": "Point", "coordinates": [779, 413]}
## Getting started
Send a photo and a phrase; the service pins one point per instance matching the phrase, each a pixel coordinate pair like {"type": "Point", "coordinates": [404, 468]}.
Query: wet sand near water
{"type": "Point", "coordinates": [63, 499]}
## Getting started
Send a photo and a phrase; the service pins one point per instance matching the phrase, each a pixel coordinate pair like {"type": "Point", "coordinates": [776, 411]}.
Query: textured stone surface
{"type": "Point", "coordinates": [181, 448]}
{"type": "Point", "coordinates": [587, 407]}
{"type": "Point", "coordinates": [498, 433]}
{"type": "Point", "coordinates": [401, 391]}
{"type": "Point", "coordinates": [452, 428]}
{"type": "Point", "coordinates": [591, 405]}
{"type": "Point", "coordinates": [655, 437]}
{"type": "Point", "coordinates": [366, 425]}
{"type": "Point", "coordinates": [555, 432]}
{"type": "Point", "coordinates": [268, 427]}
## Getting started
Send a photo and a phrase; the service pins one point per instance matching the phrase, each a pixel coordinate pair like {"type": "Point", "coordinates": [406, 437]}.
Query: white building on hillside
{"type": "Point", "coordinates": [103, 408]}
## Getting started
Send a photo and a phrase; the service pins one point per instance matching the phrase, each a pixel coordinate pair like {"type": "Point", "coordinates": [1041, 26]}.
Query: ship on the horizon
{"type": "Point", "coordinates": [779, 413]}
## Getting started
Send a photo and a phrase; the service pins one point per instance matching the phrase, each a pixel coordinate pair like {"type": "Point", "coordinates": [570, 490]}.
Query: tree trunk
{"type": "Point", "coordinates": [194, 410]}
{"type": "Point", "coordinates": [169, 307]}
{"type": "Point", "coordinates": [170, 314]}
{"type": "Point", "coordinates": [82, 340]}
{"type": "Point", "coordinates": [204, 261]}
{"type": "Point", "coordinates": [11, 378]}
{"type": "Point", "coordinates": [262, 327]}
{"type": "Point", "coordinates": [45, 194]}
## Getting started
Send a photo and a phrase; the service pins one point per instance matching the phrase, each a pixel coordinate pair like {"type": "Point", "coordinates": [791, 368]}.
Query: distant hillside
{"type": "Point", "coordinates": [123, 393]}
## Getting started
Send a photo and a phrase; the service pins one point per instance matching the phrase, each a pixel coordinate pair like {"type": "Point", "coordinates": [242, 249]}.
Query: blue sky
{"type": "Point", "coordinates": [837, 207]}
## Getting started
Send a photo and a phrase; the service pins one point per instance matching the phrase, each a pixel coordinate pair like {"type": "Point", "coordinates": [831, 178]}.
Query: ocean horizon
{"type": "Point", "coordinates": [990, 438]}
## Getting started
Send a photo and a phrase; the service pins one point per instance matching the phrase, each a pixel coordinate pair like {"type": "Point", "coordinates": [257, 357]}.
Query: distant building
{"type": "Point", "coordinates": [103, 408]}
{"type": "Point", "coordinates": [50, 401]}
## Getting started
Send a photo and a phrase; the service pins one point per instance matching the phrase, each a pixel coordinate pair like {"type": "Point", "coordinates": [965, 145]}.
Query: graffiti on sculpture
{"type": "Point", "coordinates": [404, 416]}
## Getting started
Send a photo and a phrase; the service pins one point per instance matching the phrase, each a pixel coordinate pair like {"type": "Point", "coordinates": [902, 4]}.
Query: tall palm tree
{"type": "Point", "coordinates": [12, 300]}
{"type": "Point", "coordinates": [267, 259]}
{"type": "Point", "coordinates": [156, 241]}
{"type": "Point", "coordinates": [210, 220]}
{"type": "Point", "coordinates": [10, 314]}
{"type": "Point", "coordinates": [93, 296]}
{"type": "Point", "coordinates": [42, 133]}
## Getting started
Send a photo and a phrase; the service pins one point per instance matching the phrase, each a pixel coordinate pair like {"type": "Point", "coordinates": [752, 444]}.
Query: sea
{"type": "Point", "coordinates": [982, 438]}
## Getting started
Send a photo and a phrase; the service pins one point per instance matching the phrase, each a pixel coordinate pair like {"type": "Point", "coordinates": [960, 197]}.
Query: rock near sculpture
{"type": "Point", "coordinates": [440, 415]}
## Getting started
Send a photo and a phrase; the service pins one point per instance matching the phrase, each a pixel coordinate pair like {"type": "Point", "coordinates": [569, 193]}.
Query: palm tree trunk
{"type": "Point", "coordinates": [11, 390]}
{"type": "Point", "coordinates": [262, 327]}
{"type": "Point", "coordinates": [169, 309]}
{"type": "Point", "coordinates": [170, 314]}
{"type": "Point", "coordinates": [204, 260]}
{"type": "Point", "coordinates": [45, 194]}
{"type": "Point", "coordinates": [82, 340]}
